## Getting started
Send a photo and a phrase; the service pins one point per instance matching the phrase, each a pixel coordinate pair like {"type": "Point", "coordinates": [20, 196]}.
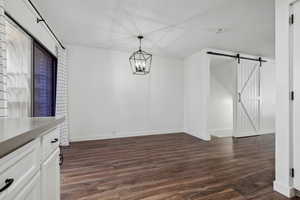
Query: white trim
{"type": "Point", "coordinates": [158, 132]}
{"type": "Point", "coordinates": [3, 63]}
{"type": "Point", "coordinates": [229, 132]}
{"type": "Point", "coordinates": [226, 132]}
{"type": "Point", "coordinates": [266, 131]}
{"type": "Point", "coordinates": [260, 132]}
{"type": "Point", "coordinates": [62, 100]}
{"type": "Point", "coordinates": [286, 190]}
{"type": "Point", "coordinates": [123, 135]}
{"type": "Point", "coordinates": [207, 136]}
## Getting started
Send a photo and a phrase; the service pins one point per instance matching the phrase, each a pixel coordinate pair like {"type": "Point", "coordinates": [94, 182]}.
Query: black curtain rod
{"type": "Point", "coordinates": [235, 56]}
{"type": "Point", "coordinates": [41, 19]}
{"type": "Point", "coordinates": [28, 33]}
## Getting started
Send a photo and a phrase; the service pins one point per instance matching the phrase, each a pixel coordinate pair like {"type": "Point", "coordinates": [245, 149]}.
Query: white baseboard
{"type": "Point", "coordinates": [122, 135]}
{"type": "Point", "coordinates": [267, 131]}
{"type": "Point", "coordinates": [216, 132]}
{"type": "Point", "coordinates": [283, 189]}
{"type": "Point", "coordinates": [261, 132]}
{"type": "Point", "coordinates": [205, 137]}
{"type": "Point", "coordinates": [221, 132]}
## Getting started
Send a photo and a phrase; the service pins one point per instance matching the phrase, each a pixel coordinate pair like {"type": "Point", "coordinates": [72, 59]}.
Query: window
{"type": "Point", "coordinates": [31, 70]}
{"type": "Point", "coordinates": [19, 74]}
{"type": "Point", "coordinates": [44, 73]}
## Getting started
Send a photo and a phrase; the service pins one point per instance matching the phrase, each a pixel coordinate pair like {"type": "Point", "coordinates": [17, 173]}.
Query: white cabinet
{"type": "Point", "coordinates": [32, 191]}
{"type": "Point", "coordinates": [18, 168]}
{"type": "Point", "coordinates": [50, 143]}
{"type": "Point", "coordinates": [32, 172]}
{"type": "Point", "coordinates": [51, 177]}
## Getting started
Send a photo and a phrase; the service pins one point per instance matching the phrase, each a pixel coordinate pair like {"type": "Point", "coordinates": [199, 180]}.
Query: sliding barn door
{"type": "Point", "coordinates": [295, 86]}
{"type": "Point", "coordinates": [247, 105]}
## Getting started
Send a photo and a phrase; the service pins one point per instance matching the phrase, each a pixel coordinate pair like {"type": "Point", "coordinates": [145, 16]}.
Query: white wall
{"type": "Point", "coordinates": [196, 95]}
{"type": "Point", "coordinates": [222, 90]}
{"type": "Point", "coordinates": [107, 100]}
{"type": "Point", "coordinates": [283, 153]}
{"type": "Point", "coordinates": [268, 97]}
{"type": "Point", "coordinates": [24, 15]}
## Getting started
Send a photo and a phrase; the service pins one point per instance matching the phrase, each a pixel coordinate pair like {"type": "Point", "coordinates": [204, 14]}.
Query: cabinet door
{"type": "Point", "coordinates": [51, 177]}
{"type": "Point", "coordinates": [32, 191]}
{"type": "Point", "coordinates": [18, 168]}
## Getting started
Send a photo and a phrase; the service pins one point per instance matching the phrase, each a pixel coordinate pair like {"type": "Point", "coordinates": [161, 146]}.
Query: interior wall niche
{"type": "Point", "coordinates": [241, 97]}
{"type": "Point", "coordinates": [222, 90]}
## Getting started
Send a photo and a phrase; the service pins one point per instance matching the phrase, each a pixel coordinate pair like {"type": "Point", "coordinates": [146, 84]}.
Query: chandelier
{"type": "Point", "coordinates": [140, 61]}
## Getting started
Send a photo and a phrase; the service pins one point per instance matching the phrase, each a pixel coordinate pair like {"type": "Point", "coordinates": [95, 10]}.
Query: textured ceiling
{"type": "Point", "coordinates": [171, 27]}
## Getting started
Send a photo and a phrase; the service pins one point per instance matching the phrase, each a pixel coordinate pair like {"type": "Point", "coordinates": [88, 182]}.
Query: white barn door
{"type": "Point", "coordinates": [295, 86]}
{"type": "Point", "coordinates": [248, 101]}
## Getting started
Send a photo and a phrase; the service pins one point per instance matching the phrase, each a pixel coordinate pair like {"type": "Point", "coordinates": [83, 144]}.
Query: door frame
{"type": "Point", "coordinates": [293, 180]}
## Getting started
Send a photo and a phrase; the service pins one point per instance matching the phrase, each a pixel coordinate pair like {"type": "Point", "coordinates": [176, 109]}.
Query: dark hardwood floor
{"type": "Point", "coordinates": [172, 167]}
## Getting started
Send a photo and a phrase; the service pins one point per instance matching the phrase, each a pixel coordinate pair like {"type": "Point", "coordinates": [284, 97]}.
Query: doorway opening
{"type": "Point", "coordinates": [242, 96]}
{"type": "Point", "coordinates": [221, 99]}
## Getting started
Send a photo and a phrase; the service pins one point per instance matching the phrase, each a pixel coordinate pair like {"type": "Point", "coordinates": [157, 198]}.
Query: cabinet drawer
{"type": "Point", "coordinates": [18, 168]}
{"type": "Point", "coordinates": [32, 190]}
{"type": "Point", "coordinates": [50, 142]}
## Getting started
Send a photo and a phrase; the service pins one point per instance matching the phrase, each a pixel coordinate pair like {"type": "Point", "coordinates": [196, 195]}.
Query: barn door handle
{"type": "Point", "coordinates": [8, 183]}
{"type": "Point", "coordinates": [54, 141]}
{"type": "Point", "coordinates": [239, 97]}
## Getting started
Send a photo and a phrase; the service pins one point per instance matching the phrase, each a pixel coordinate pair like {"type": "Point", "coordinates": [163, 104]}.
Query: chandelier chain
{"type": "Point", "coordinates": [140, 37]}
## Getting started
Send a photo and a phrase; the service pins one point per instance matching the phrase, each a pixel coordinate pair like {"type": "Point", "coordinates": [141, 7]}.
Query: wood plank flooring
{"type": "Point", "coordinates": [171, 167]}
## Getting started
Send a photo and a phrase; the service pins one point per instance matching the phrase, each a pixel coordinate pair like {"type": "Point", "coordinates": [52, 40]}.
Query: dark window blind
{"type": "Point", "coordinates": [44, 82]}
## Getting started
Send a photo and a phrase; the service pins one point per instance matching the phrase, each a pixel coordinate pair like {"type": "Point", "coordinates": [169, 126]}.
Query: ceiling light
{"type": "Point", "coordinates": [140, 61]}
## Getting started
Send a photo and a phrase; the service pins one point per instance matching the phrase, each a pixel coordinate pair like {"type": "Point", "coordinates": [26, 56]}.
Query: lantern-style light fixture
{"type": "Point", "coordinates": [140, 60]}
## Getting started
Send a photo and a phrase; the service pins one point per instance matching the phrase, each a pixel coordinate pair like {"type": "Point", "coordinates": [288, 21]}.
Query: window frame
{"type": "Point", "coordinates": [54, 75]}
{"type": "Point", "coordinates": [37, 42]}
